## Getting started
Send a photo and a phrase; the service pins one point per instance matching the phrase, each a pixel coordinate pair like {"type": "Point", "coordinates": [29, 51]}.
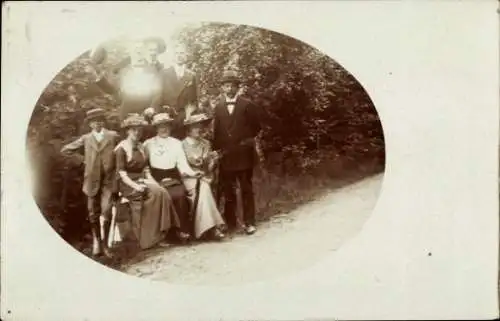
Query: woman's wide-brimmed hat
{"type": "Point", "coordinates": [95, 114]}
{"type": "Point", "coordinates": [197, 119]}
{"type": "Point", "coordinates": [162, 118]}
{"type": "Point", "coordinates": [230, 76]}
{"type": "Point", "coordinates": [134, 120]}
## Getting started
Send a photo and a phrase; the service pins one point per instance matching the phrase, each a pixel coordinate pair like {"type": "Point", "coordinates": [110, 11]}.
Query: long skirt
{"type": "Point", "coordinates": [207, 215]}
{"type": "Point", "coordinates": [152, 214]}
{"type": "Point", "coordinates": [177, 193]}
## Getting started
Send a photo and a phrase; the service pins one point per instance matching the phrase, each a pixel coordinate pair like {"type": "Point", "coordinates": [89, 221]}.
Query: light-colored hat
{"type": "Point", "coordinates": [197, 118]}
{"type": "Point", "coordinates": [98, 54]}
{"type": "Point", "coordinates": [161, 118]}
{"type": "Point", "coordinates": [134, 120]}
{"type": "Point", "coordinates": [95, 113]}
{"type": "Point", "coordinates": [230, 76]}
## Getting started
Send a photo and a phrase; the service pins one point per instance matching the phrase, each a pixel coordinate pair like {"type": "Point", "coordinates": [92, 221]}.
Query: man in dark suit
{"type": "Point", "coordinates": [236, 126]}
{"type": "Point", "coordinates": [180, 90]}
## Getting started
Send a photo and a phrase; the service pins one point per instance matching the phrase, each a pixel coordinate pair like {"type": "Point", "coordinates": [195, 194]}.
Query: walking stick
{"type": "Point", "coordinates": [112, 226]}
{"type": "Point", "coordinates": [196, 200]}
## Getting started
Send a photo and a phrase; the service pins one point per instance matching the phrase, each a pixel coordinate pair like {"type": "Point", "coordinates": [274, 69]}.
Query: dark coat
{"type": "Point", "coordinates": [178, 94]}
{"type": "Point", "coordinates": [99, 160]}
{"type": "Point", "coordinates": [234, 134]}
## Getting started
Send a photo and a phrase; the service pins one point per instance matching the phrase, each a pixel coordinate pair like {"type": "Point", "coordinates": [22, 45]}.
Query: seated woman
{"type": "Point", "coordinates": [168, 164]}
{"type": "Point", "coordinates": [152, 211]}
{"type": "Point", "coordinates": [207, 218]}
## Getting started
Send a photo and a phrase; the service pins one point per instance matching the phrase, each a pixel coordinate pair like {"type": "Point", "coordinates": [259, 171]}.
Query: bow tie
{"type": "Point", "coordinates": [230, 102]}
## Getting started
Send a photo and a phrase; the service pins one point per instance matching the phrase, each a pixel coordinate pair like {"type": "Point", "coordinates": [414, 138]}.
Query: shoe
{"type": "Point", "coordinates": [183, 236]}
{"type": "Point", "coordinates": [96, 242]}
{"type": "Point", "coordinates": [107, 252]}
{"type": "Point", "coordinates": [104, 242]}
{"type": "Point", "coordinates": [250, 229]}
{"type": "Point", "coordinates": [164, 244]}
{"type": "Point", "coordinates": [218, 235]}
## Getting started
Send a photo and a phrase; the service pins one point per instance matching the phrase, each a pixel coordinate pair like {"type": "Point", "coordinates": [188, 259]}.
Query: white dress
{"type": "Point", "coordinates": [207, 215]}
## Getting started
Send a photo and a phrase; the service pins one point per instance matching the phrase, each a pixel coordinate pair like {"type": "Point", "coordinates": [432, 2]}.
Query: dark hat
{"type": "Point", "coordinates": [134, 120]}
{"type": "Point", "coordinates": [95, 113]}
{"type": "Point", "coordinates": [230, 76]}
{"type": "Point", "coordinates": [162, 45]}
{"type": "Point", "coordinates": [197, 118]}
{"type": "Point", "coordinates": [161, 118]}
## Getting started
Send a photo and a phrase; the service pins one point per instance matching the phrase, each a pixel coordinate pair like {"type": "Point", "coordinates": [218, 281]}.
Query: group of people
{"type": "Point", "coordinates": [162, 166]}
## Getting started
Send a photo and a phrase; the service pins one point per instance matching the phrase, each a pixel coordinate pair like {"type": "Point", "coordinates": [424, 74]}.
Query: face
{"type": "Point", "coordinates": [230, 89]}
{"type": "Point", "coordinates": [136, 54]}
{"type": "Point", "coordinates": [134, 133]}
{"type": "Point", "coordinates": [97, 125]}
{"type": "Point", "coordinates": [151, 52]}
{"type": "Point", "coordinates": [163, 130]}
{"type": "Point", "coordinates": [196, 130]}
{"type": "Point", "coordinates": [180, 55]}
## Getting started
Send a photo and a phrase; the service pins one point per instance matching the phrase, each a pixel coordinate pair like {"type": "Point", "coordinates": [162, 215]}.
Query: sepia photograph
{"type": "Point", "coordinates": [250, 160]}
{"type": "Point", "coordinates": [216, 153]}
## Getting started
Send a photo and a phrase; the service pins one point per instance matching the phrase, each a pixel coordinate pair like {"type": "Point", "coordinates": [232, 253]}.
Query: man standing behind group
{"type": "Point", "coordinates": [236, 126]}
{"type": "Point", "coordinates": [180, 90]}
{"type": "Point", "coordinates": [137, 80]}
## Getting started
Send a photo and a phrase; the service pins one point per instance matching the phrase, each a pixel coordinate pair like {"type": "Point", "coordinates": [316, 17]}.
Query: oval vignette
{"type": "Point", "coordinates": [322, 141]}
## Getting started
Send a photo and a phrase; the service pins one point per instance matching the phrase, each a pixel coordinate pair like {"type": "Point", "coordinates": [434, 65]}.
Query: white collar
{"type": "Point", "coordinates": [98, 134]}
{"type": "Point", "coordinates": [179, 69]}
{"type": "Point", "coordinates": [163, 139]}
{"type": "Point", "coordinates": [229, 100]}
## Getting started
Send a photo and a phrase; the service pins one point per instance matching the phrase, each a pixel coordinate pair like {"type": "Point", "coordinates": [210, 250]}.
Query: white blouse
{"type": "Point", "coordinates": [167, 153]}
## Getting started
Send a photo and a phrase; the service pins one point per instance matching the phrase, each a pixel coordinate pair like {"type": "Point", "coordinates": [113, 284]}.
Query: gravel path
{"type": "Point", "coordinates": [283, 244]}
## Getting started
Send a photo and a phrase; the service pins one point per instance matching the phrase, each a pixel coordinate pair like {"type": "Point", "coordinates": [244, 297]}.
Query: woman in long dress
{"type": "Point", "coordinates": [152, 210]}
{"type": "Point", "coordinates": [168, 165]}
{"type": "Point", "coordinates": [207, 219]}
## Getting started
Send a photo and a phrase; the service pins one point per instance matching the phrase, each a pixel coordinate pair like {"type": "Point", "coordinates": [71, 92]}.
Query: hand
{"type": "Point", "coordinates": [190, 109]}
{"type": "Point", "coordinates": [214, 155]}
{"type": "Point", "coordinates": [141, 187]}
{"type": "Point", "coordinates": [149, 111]}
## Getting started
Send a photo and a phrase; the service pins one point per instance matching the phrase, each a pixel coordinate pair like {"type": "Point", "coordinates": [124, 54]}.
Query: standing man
{"type": "Point", "coordinates": [180, 90]}
{"type": "Point", "coordinates": [236, 126]}
{"type": "Point", "coordinates": [137, 80]}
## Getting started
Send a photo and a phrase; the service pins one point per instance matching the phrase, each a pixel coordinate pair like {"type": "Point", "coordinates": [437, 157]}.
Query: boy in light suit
{"type": "Point", "coordinates": [99, 175]}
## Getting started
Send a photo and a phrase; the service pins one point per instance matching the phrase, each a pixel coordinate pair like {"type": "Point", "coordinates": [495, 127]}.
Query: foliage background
{"type": "Point", "coordinates": [321, 129]}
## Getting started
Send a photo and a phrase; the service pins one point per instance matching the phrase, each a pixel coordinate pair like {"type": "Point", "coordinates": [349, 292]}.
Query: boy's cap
{"type": "Point", "coordinates": [95, 113]}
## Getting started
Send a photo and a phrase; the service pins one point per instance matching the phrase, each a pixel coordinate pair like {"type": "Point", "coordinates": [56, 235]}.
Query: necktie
{"type": "Point", "coordinates": [230, 106]}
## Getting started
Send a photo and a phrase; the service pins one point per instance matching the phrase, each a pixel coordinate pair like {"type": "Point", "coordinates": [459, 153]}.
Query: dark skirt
{"type": "Point", "coordinates": [177, 193]}
{"type": "Point", "coordinates": [152, 213]}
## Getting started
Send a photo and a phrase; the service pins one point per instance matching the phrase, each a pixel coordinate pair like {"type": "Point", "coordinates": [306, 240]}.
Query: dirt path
{"type": "Point", "coordinates": [283, 244]}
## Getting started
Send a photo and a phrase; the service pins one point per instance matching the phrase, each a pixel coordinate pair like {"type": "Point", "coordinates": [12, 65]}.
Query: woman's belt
{"type": "Point", "coordinates": [166, 177]}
